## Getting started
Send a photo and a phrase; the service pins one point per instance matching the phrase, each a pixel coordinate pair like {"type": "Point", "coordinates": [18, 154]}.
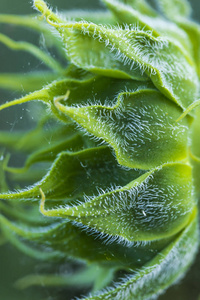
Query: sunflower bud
{"type": "Point", "coordinates": [121, 191]}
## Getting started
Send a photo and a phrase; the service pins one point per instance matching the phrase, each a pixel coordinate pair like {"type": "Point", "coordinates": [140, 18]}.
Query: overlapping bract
{"type": "Point", "coordinates": [121, 188]}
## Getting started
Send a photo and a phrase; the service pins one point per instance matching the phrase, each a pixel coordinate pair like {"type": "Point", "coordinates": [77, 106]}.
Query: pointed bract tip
{"type": "Point", "coordinates": [40, 5]}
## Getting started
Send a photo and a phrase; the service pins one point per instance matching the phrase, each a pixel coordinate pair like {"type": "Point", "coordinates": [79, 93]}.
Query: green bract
{"type": "Point", "coordinates": [120, 185]}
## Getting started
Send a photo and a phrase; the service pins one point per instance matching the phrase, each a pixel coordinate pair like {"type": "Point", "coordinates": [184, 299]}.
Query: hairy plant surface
{"type": "Point", "coordinates": [116, 190]}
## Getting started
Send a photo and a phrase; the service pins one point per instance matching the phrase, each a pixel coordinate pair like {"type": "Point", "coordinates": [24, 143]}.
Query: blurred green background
{"type": "Point", "coordinates": [13, 264]}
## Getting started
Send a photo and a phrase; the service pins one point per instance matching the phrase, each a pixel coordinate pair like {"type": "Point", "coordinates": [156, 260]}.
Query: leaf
{"type": "Point", "coordinates": [95, 57]}
{"type": "Point", "coordinates": [195, 151]}
{"type": "Point", "coordinates": [49, 153]}
{"type": "Point", "coordinates": [26, 82]}
{"type": "Point", "coordinates": [75, 174]}
{"type": "Point", "coordinates": [195, 147]}
{"type": "Point", "coordinates": [154, 206]}
{"type": "Point", "coordinates": [164, 64]}
{"type": "Point", "coordinates": [66, 240]}
{"type": "Point", "coordinates": [47, 95]}
{"type": "Point", "coordinates": [179, 12]}
{"type": "Point", "coordinates": [141, 5]}
{"type": "Point", "coordinates": [32, 22]}
{"type": "Point", "coordinates": [28, 178]}
{"type": "Point", "coordinates": [193, 31]}
{"type": "Point", "coordinates": [17, 211]}
{"type": "Point", "coordinates": [96, 16]}
{"type": "Point", "coordinates": [144, 117]}
{"type": "Point", "coordinates": [41, 136]}
{"type": "Point", "coordinates": [39, 254]}
{"type": "Point", "coordinates": [168, 266]}
{"type": "Point", "coordinates": [126, 13]}
{"type": "Point", "coordinates": [85, 277]}
{"type": "Point", "coordinates": [150, 23]}
{"type": "Point", "coordinates": [80, 91]}
{"type": "Point", "coordinates": [174, 9]}
{"type": "Point", "coordinates": [34, 50]}
{"type": "Point", "coordinates": [142, 54]}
